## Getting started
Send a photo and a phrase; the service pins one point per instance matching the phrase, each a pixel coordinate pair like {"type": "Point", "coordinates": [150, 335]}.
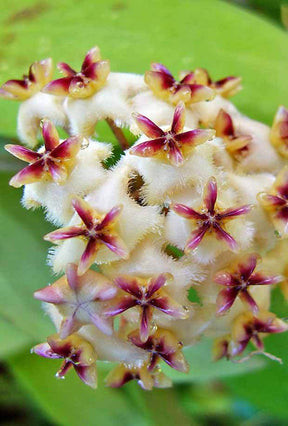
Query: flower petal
{"type": "Point", "coordinates": [93, 55]}
{"type": "Point", "coordinates": [247, 265]}
{"type": "Point", "coordinates": [148, 148]}
{"type": "Point", "coordinates": [248, 300]}
{"type": "Point", "coordinates": [115, 244]}
{"type": "Point", "coordinates": [223, 124]}
{"type": "Point", "coordinates": [98, 71]}
{"type": "Point", "coordinates": [195, 238]}
{"type": "Point", "coordinates": [23, 153]}
{"type": "Point", "coordinates": [178, 118]}
{"type": "Point", "coordinates": [224, 236]}
{"type": "Point", "coordinates": [121, 305]}
{"type": "Point", "coordinates": [158, 81]}
{"type": "Point", "coordinates": [225, 299]}
{"type": "Point", "coordinates": [145, 319]}
{"type": "Point", "coordinates": [58, 172]}
{"type": "Point", "coordinates": [210, 194]}
{"type": "Point", "coordinates": [30, 174]}
{"type": "Point", "coordinates": [64, 233]}
{"type": "Point", "coordinates": [50, 294]}
{"type": "Point", "coordinates": [85, 211]}
{"type": "Point", "coordinates": [224, 278]}
{"type": "Point", "coordinates": [44, 349]}
{"type": "Point", "coordinates": [156, 283]}
{"type": "Point", "coordinates": [155, 66]}
{"type": "Point", "coordinates": [68, 149]}
{"type": "Point", "coordinates": [147, 126]}
{"type": "Point", "coordinates": [234, 212]}
{"type": "Point", "coordinates": [167, 305]}
{"type": "Point", "coordinates": [88, 374]}
{"type": "Point", "coordinates": [58, 87]}
{"type": "Point", "coordinates": [66, 69]}
{"type": "Point", "coordinates": [195, 137]}
{"type": "Point", "coordinates": [175, 155]}
{"type": "Point", "coordinates": [50, 135]}
{"type": "Point", "coordinates": [259, 278]}
{"type": "Point", "coordinates": [88, 256]}
{"type": "Point", "coordinates": [187, 212]}
{"type": "Point", "coordinates": [110, 217]}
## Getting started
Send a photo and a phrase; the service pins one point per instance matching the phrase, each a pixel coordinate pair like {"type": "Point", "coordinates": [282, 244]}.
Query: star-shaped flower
{"type": "Point", "coordinates": [76, 352]}
{"type": "Point", "coordinates": [163, 84]}
{"type": "Point", "coordinates": [96, 229]}
{"type": "Point", "coordinates": [123, 374]}
{"type": "Point", "coordinates": [226, 87]}
{"type": "Point", "coordinates": [248, 327]}
{"type": "Point", "coordinates": [40, 73]}
{"type": "Point", "coordinates": [238, 280]}
{"type": "Point", "coordinates": [147, 295]}
{"type": "Point", "coordinates": [236, 146]}
{"type": "Point", "coordinates": [78, 299]}
{"type": "Point", "coordinates": [172, 145]}
{"type": "Point", "coordinates": [276, 203]}
{"type": "Point", "coordinates": [54, 162]}
{"type": "Point", "coordinates": [161, 345]}
{"type": "Point", "coordinates": [210, 218]}
{"type": "Point", "coordinates": [92, 77]}
{"type": "Point", "coordinates": [279, 131]}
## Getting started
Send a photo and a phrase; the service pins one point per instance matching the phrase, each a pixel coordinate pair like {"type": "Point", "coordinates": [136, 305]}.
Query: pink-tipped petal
{"type": "Point", "coordinates": [68, 149]}
{"type": "Point", "coordinates": [115, 244]}
{"type": "Point", "coordinates": [158, 81]}
{"type": "Point", "coordinates": [68, 326]}
{"type": "Point", "coordinates": [145, 320]}
{"type": "Point", "coordinates": [88, 256]}
{"type": "Point", "coordinates": [123, 304]}
{"type": "Point", "coordinates": [200, 93]}
{"type": "Point", "coordinates": [128, 284]}
{"type": "Point", "coordinates": [58, 172]}
{"type": "Point", "coordinates": [58, 87]}
{"type": "Point", "coordinates": [225, 299]}
{"type": "Point", "coordinates": [93, 55]}
{"type": "Point", "coordinates": [187, 212]}
{"type": "Point", "coordinates": [160, 68]}
{"type": "Point", "coordinates": [178, 118]}
{"type": "Point", "coordinates": [224, 124]}
{"type": "Point", "coordinates": [259, 278]}
{"type": "Point", "coordinates": [104, 324]}
{"type": "Point", "coordinates": [88, 374]}
{"type": "Point", "coordinates": [50, 294]}
{"type": "Point", "coordinates": [33, 173]}
{"type": "Point", "coordinates": [110, 217]}
{"type": "Point", "coordinates": [44, 349]}
{"type": "Point", "coordinates": [270, 201]}
{"type": "Point", "coordinates": [224, 236]}
{"type": "Point", "coordinates": [149, 148]}
{"type": "Point", "coordinates": [210, 194]}
{"type": "Point", "coordinates": [224, 278]}
{"type": "Point", "coordinates": [64, 233]}
{"type": "Point", "coordinates": [247, 266]}
{"type": "Point", "coordinates": [50, 135]}
{"type": "Point", "coordinates": [195, 238]}
{"type": "Point", "coordinates": [23, 153]}
{"type": "Point", "coordinates": [167, 305]}
{"type": "Point", "coordinates": [195, 137]}
{"type": "Point", "coordinates": [85, 211]}
{"type": "Point", "coordinates": [176, 360]}
{"type": "Point", "coordinates": [248, 300]}
{"type": "Point", "coordinates": [98, 71]}
{"type": "Point", "coordinates": [175, 155]}
{"type": "Point", "coordinates": [236, 212]}
{"type": "Point", "coordinates": [72, 276]}
{"type": "Point", "coordinates": [155, 284]}
{"type": "Point", "coordinates": [150, 129]}
{"type": "Point", "coordinates": [66, 69]}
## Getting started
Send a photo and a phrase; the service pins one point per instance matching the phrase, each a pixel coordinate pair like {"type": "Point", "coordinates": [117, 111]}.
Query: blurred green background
{"type": "Point", "coordinates": [245, 38]}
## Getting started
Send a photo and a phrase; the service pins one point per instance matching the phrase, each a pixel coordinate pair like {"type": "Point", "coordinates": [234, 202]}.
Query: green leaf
{"type": "Point", "coordinates": [182, 34]}
{"type": "Point", "coordinates": [69, 402]}
{"type": "Point", "coordinates": [203, 369]}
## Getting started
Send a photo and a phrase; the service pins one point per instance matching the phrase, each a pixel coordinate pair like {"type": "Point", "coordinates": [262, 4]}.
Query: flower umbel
{"type": "Point", "coordinates": [54, 162]}
{"type": "Point", "coordinates": [210, 218]}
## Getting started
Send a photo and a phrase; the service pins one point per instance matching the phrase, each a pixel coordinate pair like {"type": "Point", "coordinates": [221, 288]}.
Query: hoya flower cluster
{"type": "Point", "coordinates": [196, 203]}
